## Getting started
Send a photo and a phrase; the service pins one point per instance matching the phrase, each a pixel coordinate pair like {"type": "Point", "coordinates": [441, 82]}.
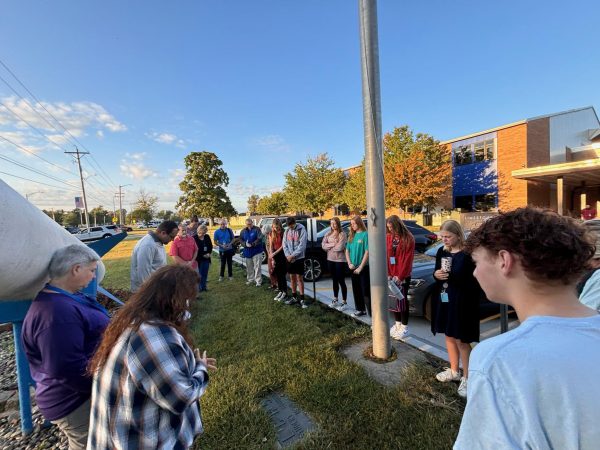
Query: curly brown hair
{"type": "Point", "coordinates": [550, 247]}
{"type": "Point", "coordinates": [162, 298]}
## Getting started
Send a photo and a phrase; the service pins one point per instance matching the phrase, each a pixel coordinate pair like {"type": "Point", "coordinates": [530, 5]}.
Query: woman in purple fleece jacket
{"type": "Point", "coordinates": [60, 334]}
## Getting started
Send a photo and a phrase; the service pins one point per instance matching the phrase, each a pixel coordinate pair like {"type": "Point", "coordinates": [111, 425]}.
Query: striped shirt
{"type": "Point", "coordinates": [146, 395]}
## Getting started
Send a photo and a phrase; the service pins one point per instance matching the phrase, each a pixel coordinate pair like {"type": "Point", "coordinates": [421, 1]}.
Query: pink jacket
{"type": "Point", "coordinates": [335, 248]}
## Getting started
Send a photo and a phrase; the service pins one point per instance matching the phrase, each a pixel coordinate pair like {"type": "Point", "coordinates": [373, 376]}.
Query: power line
{"type": "Point", "coordinates": [38, 182]}
{"type": "Point", "coordinates": [107, 177]}
{"type": "Point", "coordinates": [24, 166]}
{"type": "Point", "coordinates": [36, 155]}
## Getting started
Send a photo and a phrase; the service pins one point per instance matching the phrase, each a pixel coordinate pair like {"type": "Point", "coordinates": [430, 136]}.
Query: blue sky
{"type": "Point", "coordinates": [264, 84]}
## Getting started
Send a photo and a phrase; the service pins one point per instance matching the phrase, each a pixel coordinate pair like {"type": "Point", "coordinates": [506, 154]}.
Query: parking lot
{"type": "Point", "coordinates": [419, 336]}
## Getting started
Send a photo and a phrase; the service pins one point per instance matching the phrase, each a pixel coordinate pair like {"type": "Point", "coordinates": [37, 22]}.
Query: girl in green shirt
{"type": "Point", "coordinates": [357, 257]}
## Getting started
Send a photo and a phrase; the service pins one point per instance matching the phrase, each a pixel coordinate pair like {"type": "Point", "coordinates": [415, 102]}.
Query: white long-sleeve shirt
{"type": "Point", "coordinates": [148, 256]}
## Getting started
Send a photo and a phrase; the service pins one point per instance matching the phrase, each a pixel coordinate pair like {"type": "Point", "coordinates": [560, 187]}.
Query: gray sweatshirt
{"type": "Point", "coordinates": [294, 241]}
{"type": "Point", "coordinates": [148, 256]}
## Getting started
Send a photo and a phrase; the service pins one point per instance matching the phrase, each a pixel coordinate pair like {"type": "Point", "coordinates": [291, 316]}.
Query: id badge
{"type": "Point", "coordinates": [392, 260]}
{"type": "Point", "coordinates": [205, 248]}
{"type": "Point", "coordinates": [444, 297]}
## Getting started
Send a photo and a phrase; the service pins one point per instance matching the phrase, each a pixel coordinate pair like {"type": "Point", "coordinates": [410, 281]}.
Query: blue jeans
{"type": "Point", "coordinates": [203, 267]}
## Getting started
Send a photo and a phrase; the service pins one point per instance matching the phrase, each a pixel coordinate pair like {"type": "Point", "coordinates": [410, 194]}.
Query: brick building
{"type": "Point", "coordinates": [551, 161]}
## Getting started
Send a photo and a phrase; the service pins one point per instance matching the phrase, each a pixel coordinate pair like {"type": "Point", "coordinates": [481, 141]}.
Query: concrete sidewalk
{"type": "Point", "coordinates": [419, 335]}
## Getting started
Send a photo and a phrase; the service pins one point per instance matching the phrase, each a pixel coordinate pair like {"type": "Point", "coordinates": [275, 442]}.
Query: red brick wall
{"type": "Point", "coordinates": [538, 154]}
{"type": "Point", "coordinates": [512, 155]}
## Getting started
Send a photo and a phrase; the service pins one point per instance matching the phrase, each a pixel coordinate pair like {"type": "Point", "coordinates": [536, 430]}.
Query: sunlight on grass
{"type": "Point", "coordinates": [263, 346]}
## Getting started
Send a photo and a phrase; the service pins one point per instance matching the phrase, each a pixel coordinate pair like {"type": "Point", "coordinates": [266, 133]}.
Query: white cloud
{"type": "Point", "coordinates": [76, 117]}
{"type": "Point", "coordinates": [273, 143]}
{"type": "Point", "coordinates": [100, 134]}
{"type": "Point", "coordinates": [133, 166]}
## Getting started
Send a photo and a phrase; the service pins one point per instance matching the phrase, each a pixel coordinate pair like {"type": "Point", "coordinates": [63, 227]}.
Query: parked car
{"type": "Point", "coordinates": [124, 227]}
{"type": "Point", "coordinates": [420, 292]}
{"type": "Point", "coordinates": [72, 230]}
{"type": "Point", "coordinates": [315, 264]}
{"type": "Point", "coordinates": [95, 233]}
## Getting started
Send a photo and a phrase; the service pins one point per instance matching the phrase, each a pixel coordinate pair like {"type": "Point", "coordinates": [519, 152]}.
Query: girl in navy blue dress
{"type": "Point", "coordinates": [455, 306]}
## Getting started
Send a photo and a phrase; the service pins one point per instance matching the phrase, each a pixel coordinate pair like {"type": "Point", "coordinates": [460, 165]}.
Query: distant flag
{"type": "Point", "coordinates": [78, 202]}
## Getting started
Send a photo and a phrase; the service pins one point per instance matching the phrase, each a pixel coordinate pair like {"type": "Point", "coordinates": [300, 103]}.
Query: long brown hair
{"type": "Point", "coordinates": [279, 226]}
{"type": "Point", "coordinates": [398, 227]}
{"type": "Point", "coordinates": [338, 226]}
{"type": "Point", "coordinates": [361, 227]}
{"type": "Point", "coordinates": [162, 298]}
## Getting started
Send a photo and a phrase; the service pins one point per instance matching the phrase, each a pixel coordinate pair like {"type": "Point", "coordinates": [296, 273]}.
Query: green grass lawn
{"type": "Point", "coordinates": [263, 346]}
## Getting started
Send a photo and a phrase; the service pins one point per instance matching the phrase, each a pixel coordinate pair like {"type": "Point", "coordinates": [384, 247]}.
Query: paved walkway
{"type": "Point", "coordinates": [419, 336]}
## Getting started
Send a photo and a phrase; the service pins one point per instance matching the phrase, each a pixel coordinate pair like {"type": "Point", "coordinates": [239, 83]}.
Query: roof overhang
{"type": "Point", "coordinates": [573, 173]}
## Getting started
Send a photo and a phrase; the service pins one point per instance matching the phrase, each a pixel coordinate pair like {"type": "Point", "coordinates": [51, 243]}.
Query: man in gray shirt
{"type": "Point", "coordinates": [149, 253]}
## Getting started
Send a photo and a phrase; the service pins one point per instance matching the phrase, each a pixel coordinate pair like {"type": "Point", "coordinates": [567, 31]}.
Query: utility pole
{"type": "Point", "coordinates": [121, 202]}
{"type": "Point", "coordinates": [369, 55]}
{"type": "Point", "coordinates": [78, 155]}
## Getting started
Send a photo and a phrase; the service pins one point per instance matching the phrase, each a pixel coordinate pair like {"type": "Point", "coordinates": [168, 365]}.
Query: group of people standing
{"type": "Point", "coordinates": [130, 380]}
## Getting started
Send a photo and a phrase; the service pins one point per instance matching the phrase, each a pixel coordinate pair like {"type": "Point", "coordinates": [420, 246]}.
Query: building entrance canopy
{"type": "Point", "coordinates": [573, 173]}
{"type": "Point", "coordinates": [576, 173]}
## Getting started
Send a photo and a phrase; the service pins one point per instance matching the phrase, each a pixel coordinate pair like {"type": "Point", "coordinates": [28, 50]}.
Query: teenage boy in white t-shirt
{"type": "Point", "coordinates": [537, 386]}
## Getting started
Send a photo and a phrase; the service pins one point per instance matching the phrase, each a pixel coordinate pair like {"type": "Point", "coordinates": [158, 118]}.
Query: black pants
{"type": "Point", "coordinates": [280, 271]}
{"type": "Point", "coordinates": [226, 257]}
{"type": "Point", "coordinates": [402, 316]}
{"type": "Point", "coordinates": [361, 290]}
{"type": "Point", "coordinates": [338, 275]}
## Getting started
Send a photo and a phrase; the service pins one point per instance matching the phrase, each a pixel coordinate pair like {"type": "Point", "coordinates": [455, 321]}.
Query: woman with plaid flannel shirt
{"type": "Point", "coordinates": [147, 378]}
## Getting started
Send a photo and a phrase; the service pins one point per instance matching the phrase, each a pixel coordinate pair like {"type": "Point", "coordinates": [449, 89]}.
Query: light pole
{"type": "Point", "coordinates": [121, 201]}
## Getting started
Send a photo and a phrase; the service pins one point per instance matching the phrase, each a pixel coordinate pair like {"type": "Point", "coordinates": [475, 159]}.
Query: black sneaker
{"type": "Point", "coordinates": [291, 301]}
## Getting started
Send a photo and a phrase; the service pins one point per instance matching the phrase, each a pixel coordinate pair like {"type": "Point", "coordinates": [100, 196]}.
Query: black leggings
{"type": "Point", "coordinates": [226, 257]}
{"type": "Point", "coordinates": [280, 271]}
{"type": "Point", "coordinates": [337, 270]}
{"type": "Point", "coordinates": [402, 316]}
{"type": "Point", "coordinates": [361, 290]}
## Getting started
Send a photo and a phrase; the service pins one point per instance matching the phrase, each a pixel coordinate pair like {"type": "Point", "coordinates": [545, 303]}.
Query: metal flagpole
{"type": "Point", "coordinates": [369, 56]}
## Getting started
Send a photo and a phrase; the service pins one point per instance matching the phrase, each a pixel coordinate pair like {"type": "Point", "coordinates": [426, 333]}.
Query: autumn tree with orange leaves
{"type": "Point", "coordinates": [418, 170]}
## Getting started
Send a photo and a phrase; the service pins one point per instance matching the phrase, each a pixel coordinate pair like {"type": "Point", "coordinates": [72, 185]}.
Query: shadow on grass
{"type": "Point", "coordinates": [263, 346]}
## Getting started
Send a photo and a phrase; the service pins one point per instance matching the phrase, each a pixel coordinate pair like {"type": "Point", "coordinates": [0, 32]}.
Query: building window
{"type": "Point", "coordinates": [463, 155]}
{"type": "Point", "coordinates": [483, 150]}
{"type": "Point", "coordinates": [485, 202]}
{"type": "Point", "coordinates": [464, 202]}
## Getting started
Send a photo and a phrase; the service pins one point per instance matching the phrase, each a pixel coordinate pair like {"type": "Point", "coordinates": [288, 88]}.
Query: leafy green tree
{"type": "Point", "coordinates": [253, 204]}
{"type": "Point", "coordinates": [314, 186]}
{"type": "Point", "coordinates": [99, 215]}
{"type": "Point", "coordinates": [203, 188]}
{"type": "Point", "coordinates": [164, 214]}
{"type": "Point", "coordinates": [56, 215]}
{"type": "Point", "coordinates": [275, 204]}
{"type": "Point", "coordinates": [354, 194]}
{"type": "Point", "coordinates": [72, 218]}
{"type": "Point", "coordinates": [417, 168]}
{"type": "Point", "coordinates": [145, 206]}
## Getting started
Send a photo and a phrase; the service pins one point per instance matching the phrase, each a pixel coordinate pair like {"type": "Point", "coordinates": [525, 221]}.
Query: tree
{"type": "Point", "coordinates": [253, 204]}
{"type": "Point", "coordinates": [354, 194]}
{"type": "Point", "coordinates": [99, 215]}
{"type": "Point", "coordinates": [203, 188]}
{"type": "Point", "coordinates": [144, 206]}
{"type": "Point", "coordinates": [164, 214]}
{"type": "Point", "coordinates": [72, 218]}
{"type": "Point", "coordinates": [314, 186]}
{"type": "Point", "coordinates": [56, 215]}
{"type": "Point", "coordinates": [418, 169]}
{"type": "Point", "coordinates": [275, 204]}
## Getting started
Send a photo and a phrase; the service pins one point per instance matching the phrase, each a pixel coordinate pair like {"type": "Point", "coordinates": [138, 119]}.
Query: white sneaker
{"type": "Point", "coordinates": [334, 303]}
{"type": "Point", "coordinates": [279, 296]}
{"type": "Point", "coordinates": [220, 278]}
{"type": "Point", "coordinates": [248, 283]}
{"type": "Point", "coordinates": [230, 279]}
{"type": "Point", "coordinates": [448, 375]}
{"type": "Point", "coordinates": [462, 387]}
{"type": "Point", "coordinates": [396, 332]}
{"type": "Point", "coordinates": [258, 284]}
{"type": "Point", "coordinates": [342, 306]}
